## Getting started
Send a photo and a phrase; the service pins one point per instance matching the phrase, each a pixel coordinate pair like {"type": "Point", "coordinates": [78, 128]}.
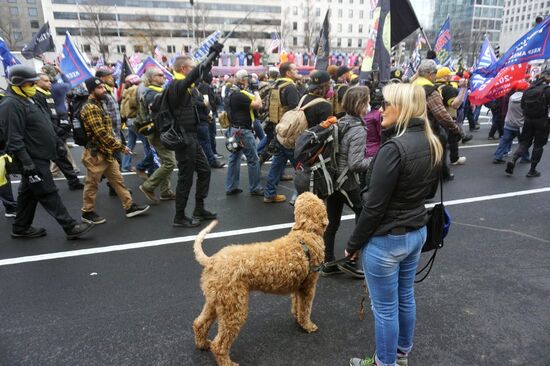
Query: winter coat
{"type": "Point", "coordinates": [351, 150]}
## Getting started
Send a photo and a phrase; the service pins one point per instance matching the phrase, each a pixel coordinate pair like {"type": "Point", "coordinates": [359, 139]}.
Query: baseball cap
{"type": "Point", "coordinates": [444, 72]}
{"type": "Point", "coordinates": [103, 71]}
{"type": "Point", "coordinates": [241, 74]}
{"type": "Point", "coordinates": [318, 78]}
{"type": "Point", "coordinates": [133, 79]}
{"type": "Point", "coordinates": [342, 70]}
{"type": "Point", "coordinates": [92, 83]}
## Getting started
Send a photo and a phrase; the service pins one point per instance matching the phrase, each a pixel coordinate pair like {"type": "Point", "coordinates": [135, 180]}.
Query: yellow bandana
{"type": "Point", "coordinates": [158, 89]}
{"type": "Point", "coordinates": [45, 92]}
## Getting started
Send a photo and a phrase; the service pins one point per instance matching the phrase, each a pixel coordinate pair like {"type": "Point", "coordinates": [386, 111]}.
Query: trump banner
{"type": "Point", "coordinates": [6, 57]}
{"type": "Point", "coordinates": [151, 62]}
{"type": "Point", "coordinates": [499, 77]}
{"type": "Point", "coordinates": [442, 46]}
{"type": "Point", "coordinates": [201, 52]}
{"type": "Point", "coordinates": [72, 63]}
{"type": "Point", "coordinates": [486, 58]}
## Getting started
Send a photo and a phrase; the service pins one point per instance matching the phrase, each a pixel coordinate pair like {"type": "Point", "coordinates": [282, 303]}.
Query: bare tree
{"type": "Point", "coordinates": [285, 30]}
{"type": "Point", "coordinates": [144, 32]}
{"type": "Point", "coordinates": [254, 32]}
{"type": "Point", "coordinates": [97, 18]}
{"type": "Point", "coordinates": [6, 30]}
{"type": "Point", "coordinates": [309, 18]}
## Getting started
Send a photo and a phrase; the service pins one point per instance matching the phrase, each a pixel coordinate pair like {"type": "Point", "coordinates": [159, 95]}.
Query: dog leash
{"type": "Point", "coordinates": [323, 265]}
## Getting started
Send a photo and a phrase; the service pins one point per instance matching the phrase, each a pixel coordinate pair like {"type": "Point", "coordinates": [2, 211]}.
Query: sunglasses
{"type": "Point", "coordinates": [159, 75]}
{"type": "Point", "coordinates": [385, 104]}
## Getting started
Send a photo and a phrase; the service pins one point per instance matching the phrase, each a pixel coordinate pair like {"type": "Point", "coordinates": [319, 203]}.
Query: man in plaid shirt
{"type": "Point", "coordinates": [98, 156]}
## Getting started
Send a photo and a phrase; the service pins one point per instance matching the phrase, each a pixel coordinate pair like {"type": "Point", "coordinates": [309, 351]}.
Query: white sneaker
{"type": "Point", "coordinates": [460, 161]}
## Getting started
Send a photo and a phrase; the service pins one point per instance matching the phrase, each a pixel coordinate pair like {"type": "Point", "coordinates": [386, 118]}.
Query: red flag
{"type": "Point", "coordinates": [500, 85]}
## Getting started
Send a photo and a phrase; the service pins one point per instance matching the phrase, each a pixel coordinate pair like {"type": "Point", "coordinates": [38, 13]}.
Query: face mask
{"type": "Point", "coordinates": [29, 90]}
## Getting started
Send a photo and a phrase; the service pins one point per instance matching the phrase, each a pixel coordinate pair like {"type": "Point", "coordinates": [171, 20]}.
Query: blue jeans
{"type": "Point", "coordinates": [390, 263]}
{"type": "Point", "coordinates": [203, 134]}
{"type": "Point", "coordinates": [150, 161]}
{"type": "Point", "coordinates": [234, 162]}
{"type": "Point", "coordinates": [126, 163]}
{"type": "Point", "coordinates": [277, 168]}
{"type": "Point", "coordinates": [505, 143]}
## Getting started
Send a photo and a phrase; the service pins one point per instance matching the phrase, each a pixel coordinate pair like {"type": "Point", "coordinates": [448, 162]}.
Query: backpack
{"type": "Point", "coordinates": [337, 104]}
{"type": "Point", "coordinates": [225, 116]}
{"type": "Point", "coordinates": [276, 109]}
{"type": "Point", "coordinates": [316, 164]}
{"type": "Point", "coordinates": [129, 105]}
{"type": "Point", "coordinates": [75, 107]}
{"type": "Point", "coordinates": [144, 124]}
{"type": "Point", "coordinates": [534, 103]}
{"type": "Point", "coordinates": [294, 122]}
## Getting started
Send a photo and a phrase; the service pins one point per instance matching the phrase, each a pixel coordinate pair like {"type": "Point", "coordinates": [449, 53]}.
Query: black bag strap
{"type": "Point", "coordinates": [430, 263]}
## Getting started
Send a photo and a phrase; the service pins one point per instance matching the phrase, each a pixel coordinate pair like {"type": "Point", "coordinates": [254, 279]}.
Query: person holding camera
{"type": "Point", "coordinates": [31, 140]}
{"type": "Point", "coordinates": [190, 158]}
{"type": "Point", "coordinates": [242, 105]}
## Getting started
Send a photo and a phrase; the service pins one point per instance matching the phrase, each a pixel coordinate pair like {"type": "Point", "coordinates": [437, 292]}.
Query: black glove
{"type": "Point", "coordinates": [31, 173]}
{"type": "Point", "coordinates": [216, 47]}
{"type": "Point", "coordinates": [255, 86]}
{"type": "Point", "coordinates": [61, 151]}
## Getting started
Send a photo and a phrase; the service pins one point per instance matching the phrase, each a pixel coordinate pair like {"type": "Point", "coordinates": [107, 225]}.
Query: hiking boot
{"type": "Point", "coordinates": [533, 173]}
{"type": "Point", "coordinates": [30, 232]}
{"type": "Point", "coordinates": [330, 270]}
{"type": "Point", "coordinates": [510, 167]}
{"type": "Point", "coordinates": [233, 192]}
{"type": "Point", "coordinates": [459, 161]}
{"type": "Point", "coordinates": [201, 214]}
{"type": "Point", "coordinates": [136, 210]}
{"type": "Point", "coordinates": [78, 230]}
{"type": "Point", "coordinates": [275, 199]}
{"type": "Point", "coordinates": [92, 218]}
{"type": "Point", "coordinates": [77, 186]}
{"type": "Point", "coordinates": [286, 177]}
{"type": "Point", "coordinates": [466, 138]}
{"type": "Point", "coordinates": [186, 222]}
{"type": "Point", "coordinates": [150, 195]}
{"type": "Point", "coordinates": [369, 361]}
{"type": "Point", "coordinates": [168, 196]}
{"type": "Point", "coordinates": [350, 268]}
{"type": "Point", "coordinates": [402, 359]}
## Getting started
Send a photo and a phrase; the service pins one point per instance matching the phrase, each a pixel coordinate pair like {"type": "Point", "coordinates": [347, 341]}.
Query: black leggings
{"type": "Point", "coordinates": [335, 206]}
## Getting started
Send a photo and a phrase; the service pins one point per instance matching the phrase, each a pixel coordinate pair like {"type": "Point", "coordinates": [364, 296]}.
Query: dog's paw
{"type": "Point", "coordinates": [310, 327]}
{"type": "Point", "coordinates": [205, 346]}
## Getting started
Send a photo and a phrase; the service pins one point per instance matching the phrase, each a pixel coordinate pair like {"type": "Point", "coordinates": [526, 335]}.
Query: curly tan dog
{"type": "Point", "coordinates": [282, 266]}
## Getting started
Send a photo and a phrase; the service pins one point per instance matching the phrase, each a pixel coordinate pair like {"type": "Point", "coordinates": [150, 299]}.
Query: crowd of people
{"type": "Point", "coordinates": [391, 152]}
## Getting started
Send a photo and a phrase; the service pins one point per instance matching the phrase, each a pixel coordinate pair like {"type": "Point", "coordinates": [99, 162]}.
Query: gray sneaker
{"type": "Point", "coordinates": [402, 359]}
{"type": "Point", "coordinates": [369, 361]}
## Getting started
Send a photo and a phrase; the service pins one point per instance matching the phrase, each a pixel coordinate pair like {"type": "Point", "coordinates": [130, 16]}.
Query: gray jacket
{"type": "Point", "coordinates": [351, 151]}
{"type": "Point", "coordinates": [514, 116]}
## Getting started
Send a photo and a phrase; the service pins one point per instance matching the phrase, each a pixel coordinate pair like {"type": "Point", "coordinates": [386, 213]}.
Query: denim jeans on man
{"type": "Point", "coordinates": [390, 263]}
{"type": "Point", "coordinates": [505, 143]}
{"type": "Point", "coordinates": [234, 162]}
{"type": "Point", "coordinates": [148, 163]}
{"type": "Point", "coordinates": [277, 168]}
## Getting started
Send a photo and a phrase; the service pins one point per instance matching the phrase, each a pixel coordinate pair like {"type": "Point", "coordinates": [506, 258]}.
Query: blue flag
{"type": "Point", "coordinates": [7, 58]}
{"type": "Point", "coordinates": [151, 62]}
{"type": "Point", "coordinates": [72, 63]}
{"type": "Point", "coordinates": [486, 58]}
{"type": "Point", "coordinates": [442, 46]}
{"type": "Point", "coordinates": [201, 52]}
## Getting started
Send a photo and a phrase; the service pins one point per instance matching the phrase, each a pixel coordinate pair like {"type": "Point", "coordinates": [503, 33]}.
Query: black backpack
{"type": "Point", "coordinates": [315, 155]}
{"type": "Point", "coordinates": [533, 101]}
{"type": "Point", "coordinates": [79, 131]}
{"type": "Point", "coordinates": [227, 101]}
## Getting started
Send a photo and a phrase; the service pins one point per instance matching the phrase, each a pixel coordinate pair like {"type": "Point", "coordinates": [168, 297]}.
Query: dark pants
{"type": "Point", "coordinates": [335, 206]}
{"type": "Point", "coordinates": [203, 135]}
{"type": "Point", "coordinates": [44, 192]}
{"type": "Point", "coordinates": [191, 159]}
{"type": "Point", "coordinates": [212, 133]}
{"type": "Point", "coordinates": [6, 196]}
{"type": "Point", "coordinates": [442, 135]}
{"type": "Point", "coordinates": [453, 141]}
{"type": "Point", "coordinates": [534, 132]}
{"type": "Point", "coordinates": [269, 136]}
{"type": "Point", "coordinates": [66, 168]}
{"type": "Point", "coordinates": [497, 124]}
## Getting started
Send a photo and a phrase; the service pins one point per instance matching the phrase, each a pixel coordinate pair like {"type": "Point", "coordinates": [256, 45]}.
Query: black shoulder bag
{"type": "Point", "coordinates": [437, 228]}
{"type": "Point", "coordinates": [172, 136]}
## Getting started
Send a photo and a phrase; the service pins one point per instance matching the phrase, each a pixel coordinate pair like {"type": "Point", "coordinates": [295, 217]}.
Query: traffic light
{"type": "Point", "coordinates": [497, 51]}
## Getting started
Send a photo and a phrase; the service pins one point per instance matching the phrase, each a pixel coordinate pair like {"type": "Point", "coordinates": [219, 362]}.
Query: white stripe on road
{"type": "Point", "coordinates": [230, 233]}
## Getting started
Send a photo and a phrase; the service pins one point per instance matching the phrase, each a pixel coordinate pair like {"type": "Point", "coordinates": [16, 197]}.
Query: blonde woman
{"type": "Point", "coordinates": [391, 229]}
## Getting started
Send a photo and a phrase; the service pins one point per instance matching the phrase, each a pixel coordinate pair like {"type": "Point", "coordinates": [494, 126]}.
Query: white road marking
{"type": "Point", "coordinates": [230, 233]}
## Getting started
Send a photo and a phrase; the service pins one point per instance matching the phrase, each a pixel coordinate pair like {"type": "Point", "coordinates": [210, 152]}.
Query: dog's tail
{"type": "Point", "coordinates": [202, 258]}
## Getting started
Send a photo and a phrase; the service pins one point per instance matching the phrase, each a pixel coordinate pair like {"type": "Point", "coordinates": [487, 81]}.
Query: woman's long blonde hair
{"type": "Point", "coordinates": [410, 100]}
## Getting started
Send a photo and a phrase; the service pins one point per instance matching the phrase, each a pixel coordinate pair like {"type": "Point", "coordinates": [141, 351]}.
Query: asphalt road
{"type": "Point", "coordinates": [127, 294]}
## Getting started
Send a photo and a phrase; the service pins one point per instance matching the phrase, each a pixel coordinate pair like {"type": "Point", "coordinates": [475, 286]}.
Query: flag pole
{"type": "Point", "coordinates": [426, 38]}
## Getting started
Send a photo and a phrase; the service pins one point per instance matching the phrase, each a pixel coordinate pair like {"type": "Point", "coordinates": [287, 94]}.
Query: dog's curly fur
{"type": "Point", "coordinates": [279, 267]}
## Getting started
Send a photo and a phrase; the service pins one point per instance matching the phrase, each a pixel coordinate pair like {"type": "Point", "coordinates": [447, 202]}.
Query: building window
{"type": "Point", "coordinates": [12, 1]}
{"type": "Point", "coordinates": [339, 27]}
{"type": "Point", "coordinates": [138, 48]}
{"type": "Point", "coordinates": [360, 42]}
{"type": "Point", "coordinates": [104, 49]}
{"type": "Point", "coordinates": [294, 10]}
{"type": "Point", "coordinates": [35, 24]}
{"type": "Point", "coordinates": [171, 48]}
{"type": "Point", "coordinates": [246, 49]}
{"type": "Point", "coordinates": [349, 42]}
{"type": "Point", "coordinates": [231, 49]}
{"type": "Point", "coordinates": [350, 28]}
{"type": "Point", "coordinates": [350, 13]}
{"type": "Point", "coordinates": [294, 41]}
{"type": "Point", "coordinates": [339, 42]}
{"type": "Point", "coordinates": [361, 14]}
{"type": "Point", "coordinates": [31, 1]}
{"type": "Point", "coordinates": [360, 28]}
{"type": "Point", "coordinates": [294, 25]}
{"type": "Point", "coordinates": [121, 49]}
{"type": "Point", "coordinates": [14, 11]}
{"type": "Point", "coordinates": [339, 13]}
{"type": "Point", "coordinates": [33, 12]}
{"type": "Point", "coordinates": [17, 36]}
{"type": "Point", "coordinates": [86, 48]}
{"type": "Point", "coordinates": [317, 12]}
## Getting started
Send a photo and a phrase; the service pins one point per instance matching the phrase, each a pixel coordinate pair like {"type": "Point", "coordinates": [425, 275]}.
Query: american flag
{"type": "Point", "coordinates": [373, 5]}
{"type": "Point", "coordinates": [135, 60]}
{"type": "Point", "coordinates": [275, 42]}
{"type": "Point", "coordinates": [158, 54]}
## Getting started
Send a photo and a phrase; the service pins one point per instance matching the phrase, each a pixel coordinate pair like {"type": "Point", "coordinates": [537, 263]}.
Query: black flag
{"type": "Point", "coordinates": [125, 70]}
{"type": "Point", "coordinates": [382, 58]}
{"type": "Point", "coordinates": [322, 47]}
{"type": "Point", "coordinates": [41, 42]}
{"type": "Point", "coordinates": [403, 20]}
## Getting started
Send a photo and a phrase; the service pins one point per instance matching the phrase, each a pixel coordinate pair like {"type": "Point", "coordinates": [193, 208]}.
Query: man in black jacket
{"type": "Point", "coordinates": [32, 141]}
{"type": "Point", "coordinates": [45, 100]}
{"type": "Point", "coordinates": [191, 158]}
